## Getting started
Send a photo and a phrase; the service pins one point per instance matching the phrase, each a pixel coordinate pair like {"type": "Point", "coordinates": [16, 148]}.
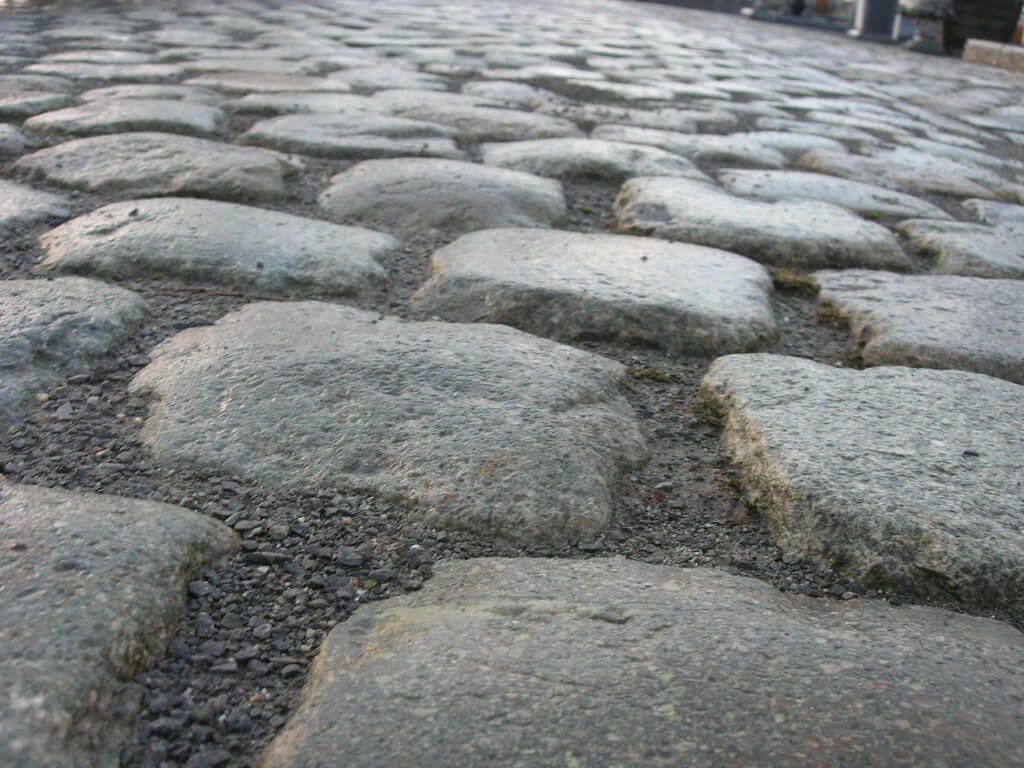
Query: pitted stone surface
{"type": "Point", "coordinates": [406, 196]}
{"type": "Point", "coordinates": [161, 164]}
{"type": "Point", "coordinates": [926, 179]}
{"type": "Point", "coordinates": [731, 150]}
{"type": "Point", "coordinates": [22, 206]}
{"type": "Point", "coordinates": [233, 245]}
{"type": "Point", "coordinates": [493, 123]}
{"type": "Point", "coordinates": [475, 427]}
{"type": "Point", "coordinates": [185, 93]}
{"type": "Point", "coordinates": [247, 82]}
{"type": "Point", "coordinates": [354, 136]}
{"type": "Point", "coordinates": [12, 142]}
{"type": "Point", "coordinates": [566, 286]}
{"type": "Point", "coordinates": [932, 321]}
{"type": "Point", "coordinates": [108, 73]}
{"type": "Point", "coordinates": [373, 78]}
{"type": "Point", "coordinates": [52, 329]}
{"type": "Point", "coordinates": [120, 115]}
{"type": "Point", "coordinates": [301, 103]}
{"type": "Point", "coordinates": [865, 199]}
{"type": "Point", "coordinates": [798, 233]}
{"type": "Point", "coordinates": [996, 213]}
{"type": "Point", "coordinates": [568, 158]}
{"type": "Point", "coordinates": [964, 248]}
{"type": "Point", "coordinates": [902, 478]}
{"type": "Point", "coordinates": [28, 103]}
{"type": "Point", "coordinates": [94, 588]}
{"type": "Point", "coordinates": [614, 662]}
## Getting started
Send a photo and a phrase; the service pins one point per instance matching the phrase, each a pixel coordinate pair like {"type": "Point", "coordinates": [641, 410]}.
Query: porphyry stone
{"type": "Point", "coordinates": [12, 142]}
{"type": "Point", "coordinates": [22, 206]}
{"type": "Point", "coordinates": [790, 233]}
{"type": "Point", "coordinates": [476, 427]}
{"type": "Point", "coordinates": [476, 124]}
{"type": "Point", "coordinates": [95, 587]}
{"type": "Point", "coordinates": [637, 290]}
{"type": "Point", "coordinates": [731, 150]}
{"type": "Point", "coordinates": [614, 662]}
{"type": "Point", "coordinates": [120, 115]}
{"type": "Point", "coordinates": [964, 248]}
{"type": "Point", "coordinates": [865, 199]}
{"type": "Point", "coordinates": [568, 158]}
{"type": "Point", "coordinates": [899, 478]}
{"type": "Point", "coordinates": [406, 196]}
{"type": "Point", "coordinates": [931, 321]}
{"type": "Point", "coordinates": [51, 329]}
{"type": "Point", "coordinates": [161, 164]}
{"type": "Point", "coordinates": [234, 245]}
{"type": "Point", "coordinates": [354, 136]}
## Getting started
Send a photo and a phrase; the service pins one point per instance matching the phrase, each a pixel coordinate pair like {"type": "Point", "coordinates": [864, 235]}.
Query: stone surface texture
{"type": "Point", "coordinates": [21, 206]}
{"type": "Point", "coordinates": [227, 244]}
{"type": "Point", "coordinates": [569, 286]}
{"type": "Point", "coordinates": [931, 321]}
{"type": "Point", "coordinates": [902, 477]}
{"type": "Point", "coordinates": [405, 196]}
{"type": "Point", "coordinates": [964, 248]}
{"type": "Point", "coordinates": [476, 427]}
{"type": "Point", "coordinates": [613, 662]}
{"type": "Point", "coordinates": [140, 164]}
{"type": "Point", "coordinates": [121, 115]}
{"type": "Point", "coordinates": [94, 588]}
{"type": "Point", "coordinates": [798, 233]}
{"type": "Point", "coordinates": [51, 329]}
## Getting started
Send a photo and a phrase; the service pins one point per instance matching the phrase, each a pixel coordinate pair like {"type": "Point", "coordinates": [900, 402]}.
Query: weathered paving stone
{"type": "Point", "coordinates": [121, 115]}
{"type": "Point", "coordinates": [995, 213]}
{"type": "Point", "coordinates": [161, 164]}
{"type": "Point", "coordinates": [28, 103]}
{"type": "Point", "coordinates": [932, 321]}
{"type": "Point", "coordinates": [899, 478]}
{"type": "Point", "coordinates": [23, 206]}
{"type": "Point", "coordinates": [169, 92]}
{"type": "Point", "coordinates": [731, 150]}
{"type": "Point", "coordinates": [95, 587]}
{"type": "Point", "coordinates": [566, 286]}
{"type": "Point", "coordinates": [354, 136]}
{"type": "Point", "coordinates": [373, 78]}
{"type": "Point", "coordinates": [246, 82]}
{"type": "Point", "coordinates": [614, 662]}
{"type": "Point", "coordinates": [477, 124]}
{"type": "Point", "coordinates": [406, 196]}
{"type": "Point", "coordinates": [398, 101]}
{"type": "Point", "coordinates": [790, 233]}
{"type": "Point", "coordinates": [11, 85]}
{"type": "Point", "coordinates": [108, 73]}
{"type": "Point", "coordinates": [234, 245]}
{"type": "Point", "coordinates": [925, 179]}
{"type": "Point", "coordinates": [301, 103]}
{"type": "Point", "coordinates": [865, 199]}
{"type": "Point", "coordinates": [568, 158]}
{"type": "Point", "coordinates": [964, 248]}
{"type": "Point", "coordinates": [52, 329]}
{"type": "Point", "coordinates": [475, 427]}
{"type": "Point", "coordinates": [12, 142]}
{"type": "Point", "coordinates": [837, 132]}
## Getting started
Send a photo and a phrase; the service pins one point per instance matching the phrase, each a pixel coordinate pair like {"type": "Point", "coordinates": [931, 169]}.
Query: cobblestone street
{"type": "Point", "coordinates": [497, 383]}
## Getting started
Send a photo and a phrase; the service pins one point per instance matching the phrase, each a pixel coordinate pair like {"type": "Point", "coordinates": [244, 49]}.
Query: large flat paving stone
{"type": "Point", "coordinates": [737, 149]}
{"type": "Point", "coordinates": [107, 73]}
{"type": "Point", "coordinates": [900, 478]}
{"type": "Point", "coordinates": [361, 136]}
{"type": "Point", "coordinates": [141, 164]}
{"type": "Point", "coordinates": [931, 321]}
{"type": "Point", "coordinates": [185, 93]}
{"type": "Point", "coordinates": [571, 158]}
{"type": "Point", "coordinates": [52, 329]}
{"type": "Point", "coordinates": [237, 246]}
{"type": "Point", "coordinates": [121, 115]}
{"type": "Point", "coordinates": [611, 662]}
{"type": "Point", "coordinates": [865, 199]}
{"type": "Point", "coordinates": [289, 102]}
{"type": "Point", "coordinates": [476, 427]}
{"type": "Point", "coordinates": [407, 196]}
{"type": "Point", "coordinates": [261, 82]}
{"type": "Point", "coordinates": [567, 286]}
{"type": "Point", "coordinates": [965, 248]}
{"type": "Point", "coordinates": [94, 587]}
{"type": "Point", "coordinates": [22, 206]}
{"type": "Point", "coordinates": [476, 124]}
{"type": "Point", "coordinates": [790, 233]}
